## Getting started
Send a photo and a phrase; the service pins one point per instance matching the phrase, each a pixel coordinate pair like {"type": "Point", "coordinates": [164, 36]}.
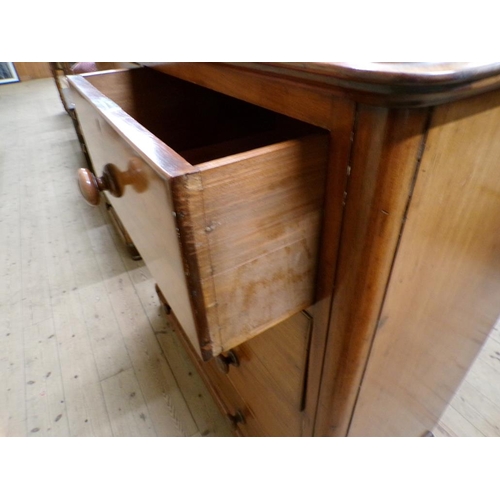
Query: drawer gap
{"type": "Point", "coordinates": [197, 122]}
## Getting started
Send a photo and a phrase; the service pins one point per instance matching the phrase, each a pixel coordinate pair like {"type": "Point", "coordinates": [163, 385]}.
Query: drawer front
{"type": "Point", "coordinates": [268, 386]}
{"type": "Point", "coordinates": [148, 215]}
{"type": "Point", "coordinates": [272, 375]}
{"type": "Point", "coordinates": [231, 402]}
{"type": "Point", "coordinates": [227, 398]}
{"type": "Point", "coordinates": [231, 241]}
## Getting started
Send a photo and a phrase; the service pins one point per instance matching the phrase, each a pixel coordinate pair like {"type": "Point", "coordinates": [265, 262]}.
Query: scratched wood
{"type": "Point", "coordinates": [39, 143]}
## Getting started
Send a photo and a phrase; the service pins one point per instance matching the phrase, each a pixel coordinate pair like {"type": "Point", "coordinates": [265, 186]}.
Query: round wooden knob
{"type": "Point", "coordinates": [91, 186]}
{"type": "Point", "coordinates": [224, 361]}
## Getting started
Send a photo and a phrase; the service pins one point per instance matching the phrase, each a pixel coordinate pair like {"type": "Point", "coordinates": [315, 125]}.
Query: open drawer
{"type": "Point", "coordinates": [223, 199]}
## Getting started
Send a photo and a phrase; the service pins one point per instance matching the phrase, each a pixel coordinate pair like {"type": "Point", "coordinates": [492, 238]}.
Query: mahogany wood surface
{"type": "Point", "coordinates": [386, 149]}
{"type": "Point", "coordinates": [383, 84]}
{"type": "Point", "coordinates": [400, 73]}
{"type": "Point", "coordinates": [391, 84]}
{"type": "Point", "coordinates": [309, 105]}
{"type": "Point", "coordinates": [341, 131]}
{"type": "Point", "coordinates": [443, 298]}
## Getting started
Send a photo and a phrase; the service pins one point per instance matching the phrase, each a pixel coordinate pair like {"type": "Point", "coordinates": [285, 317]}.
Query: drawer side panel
{"type": "Point", "coordinates": [252, 223]}
{"type": "Point", "coordinates": [444, 295]}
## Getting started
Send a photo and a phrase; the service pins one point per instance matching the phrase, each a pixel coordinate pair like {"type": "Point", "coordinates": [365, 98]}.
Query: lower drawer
{"type": "Point", "coordinates": [261, 384]}
{"type": "Point", "coordinates": [271, 375]}
{"type": "Point", "coordinates": [231, 404]}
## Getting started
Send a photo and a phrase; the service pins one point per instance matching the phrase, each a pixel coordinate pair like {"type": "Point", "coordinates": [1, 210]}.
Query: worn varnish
{"type": "Point", "coordinates": [73, 305]}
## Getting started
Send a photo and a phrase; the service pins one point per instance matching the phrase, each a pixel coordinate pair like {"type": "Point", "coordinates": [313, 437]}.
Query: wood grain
{"type": "Point", "coordinates": [313, 106]}
{"type": "Point", "coordinates": [127, 409]}
{"type": "Point", "coordinates": [272, 374]}
{"type": "Point", "coordinates": [248, 251]}
{"type": "Point", "coordinates": [341, 132]}
{"type": "Point", "coordinates": [49, 238]}
{"type": "Point", "coordinates": [385, 153]}
{"type": "Point", "coordinates": [84, 402]}
{"type": "Point", "coordinates": [45, 395]}
{"type": "Point", "coordinates": [205, 412]}
{"type": "Point", "coordinates": [479, 410]}
{"type": "Point", "coordinates": [443, 298]}
{"type": "Point", "coordinates": [397, 73]}
{"type": "Point", "coordinates": [387, 84]}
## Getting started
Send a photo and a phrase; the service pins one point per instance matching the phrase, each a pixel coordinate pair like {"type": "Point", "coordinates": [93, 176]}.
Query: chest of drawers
{"type": "Point", "coordinates": [366, 195]}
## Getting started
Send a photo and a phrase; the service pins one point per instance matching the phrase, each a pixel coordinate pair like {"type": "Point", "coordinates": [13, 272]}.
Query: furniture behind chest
{"type": "Point", "coordinates": [324, 236]}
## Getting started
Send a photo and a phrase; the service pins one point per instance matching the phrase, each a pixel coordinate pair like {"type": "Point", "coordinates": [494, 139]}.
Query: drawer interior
{"type": "Point", "coordinates": [198, 123]}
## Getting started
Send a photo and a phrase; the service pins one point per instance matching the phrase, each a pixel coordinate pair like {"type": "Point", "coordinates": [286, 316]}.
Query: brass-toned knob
{"type": "Point", "coordinates": [237, 418]}
{"type": "Point", "coordinates": [224, 361]}
{"type": "Point", "coordinates": [91, 186]}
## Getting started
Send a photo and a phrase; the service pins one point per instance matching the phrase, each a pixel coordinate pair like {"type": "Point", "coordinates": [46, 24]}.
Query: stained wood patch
{"type": "Point", "coordinates": [250, 228]}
